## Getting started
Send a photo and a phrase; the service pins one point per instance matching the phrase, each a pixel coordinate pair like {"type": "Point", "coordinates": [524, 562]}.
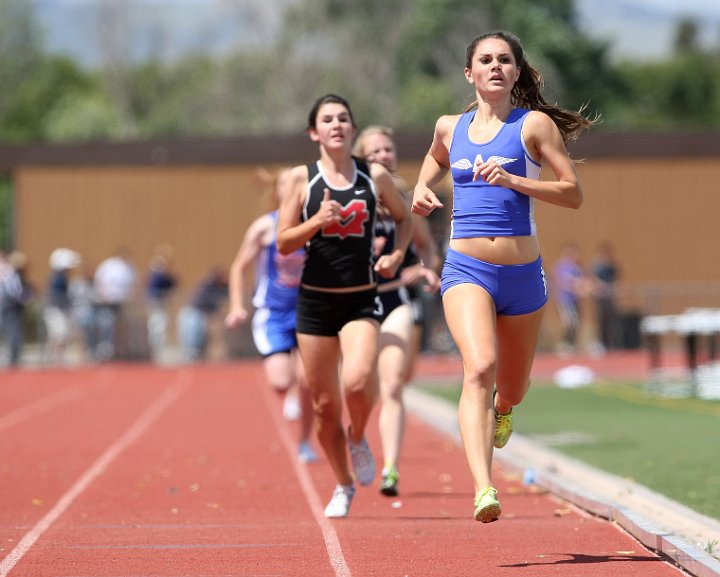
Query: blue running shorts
{"type": "Point", "coordinates": [517, 289]}
{"type": "Point", "coordinates": [273, 331]}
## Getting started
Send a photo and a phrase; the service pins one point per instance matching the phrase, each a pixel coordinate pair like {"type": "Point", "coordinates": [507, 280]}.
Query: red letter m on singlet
{"type": "Point", "coordinates": [352, 218]}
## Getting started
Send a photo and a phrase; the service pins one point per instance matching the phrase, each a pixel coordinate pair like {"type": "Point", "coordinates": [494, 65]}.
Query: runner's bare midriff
{"type": "Point", "coordinates": [499, 249]}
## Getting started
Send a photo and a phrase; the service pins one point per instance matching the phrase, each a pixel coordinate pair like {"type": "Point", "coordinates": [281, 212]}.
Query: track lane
{"type": "Point", "coordinates": [211, 488]}
{"type": "Point", "coordinates": [97, 468]}
{"type": "Point", "coordinates": [207, 490]}
{"type": "Point", "coordinates": [51, 439]}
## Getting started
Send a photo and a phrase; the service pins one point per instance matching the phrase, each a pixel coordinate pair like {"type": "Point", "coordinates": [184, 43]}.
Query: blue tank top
{"type": "Point", "coordinates": [277, 277]}
{"type": "Point", "coordinates": [481, 209]}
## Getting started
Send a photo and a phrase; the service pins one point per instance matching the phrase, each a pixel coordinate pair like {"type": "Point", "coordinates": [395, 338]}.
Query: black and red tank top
{"type": "Point", "coordinates": [341, 254]}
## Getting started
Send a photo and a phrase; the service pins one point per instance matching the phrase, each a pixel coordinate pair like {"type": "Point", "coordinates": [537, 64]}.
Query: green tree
{"type": "Point", "coordinates": [31, 102]}
{"type": "Point", "coordinates": [686, 36]}
{"type": "Point", "coordinates": [21, 50]}
{"type": "Point", "coordinates": [679, 93]}
{"type": "Point", "coordinates": [431, 58]}
{"type": "Point", "coordinates": [575, 68]}
{"type": "Point", "coordinates": [400, 62]}
{"type": "Point", "coordinates": [346, 47]}
{"type": "Point", "coordinates": [83, 116]}
{"type": "Point", "coordinates": [174, 99]}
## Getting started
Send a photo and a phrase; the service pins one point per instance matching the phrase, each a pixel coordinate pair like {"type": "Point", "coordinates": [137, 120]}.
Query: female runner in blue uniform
{"type": "Point", "coordinates": [330, 209]}
{"type": "Point", "coordinates": [277, 279]}
{"type": "Point", "coordinates": [493, 284]}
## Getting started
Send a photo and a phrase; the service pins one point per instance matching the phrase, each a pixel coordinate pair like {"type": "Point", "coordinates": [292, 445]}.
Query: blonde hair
{"type": "Point", "coordinates": [269, 182]}
{"type": "Point", "coordinates": [359, 147]}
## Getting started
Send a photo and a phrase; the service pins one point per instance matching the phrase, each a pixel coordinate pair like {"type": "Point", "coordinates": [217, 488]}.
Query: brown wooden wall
{"type": "Point", "coordinates": [663, 216]}
{"type": "Point", "coordinates": [201, 211]}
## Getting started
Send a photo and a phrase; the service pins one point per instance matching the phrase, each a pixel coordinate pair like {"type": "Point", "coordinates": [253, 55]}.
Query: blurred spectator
{"type": "Point", "coordinates": [605, 272]}
{"type": "Point", "coordinates": [115, 280]}
{"type": "Point", "coordinates": [57, 313]}
{"type": "Point", "coordinates": [81, 292]}
{"type": "Point", "coordinates": [570, 285]}
{"type": "Point", "coordinates": [15, 294]}
{"type": "Point", "coordinates": [194, 318]}
{"type": "Point", "coordinates": [5, 268]}
{"type": "Point", "coordinates": [5, 271]}
{"type": "Point", "coordinates": [160, 284]}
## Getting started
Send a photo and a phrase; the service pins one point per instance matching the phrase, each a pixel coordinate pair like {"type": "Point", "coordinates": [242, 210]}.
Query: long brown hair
{"type": "Point", "coordinates": [527, 92]}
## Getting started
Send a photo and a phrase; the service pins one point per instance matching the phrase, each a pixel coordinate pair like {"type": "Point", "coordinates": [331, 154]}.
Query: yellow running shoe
{"type": "Point", "coordinates": [389, 484]}
{"type": "Point", "coordinates": [487, 507]}
{"type": "Point", "coordinates": [503, 429]}
{"type": "Point", "coordinates": [503, 426]}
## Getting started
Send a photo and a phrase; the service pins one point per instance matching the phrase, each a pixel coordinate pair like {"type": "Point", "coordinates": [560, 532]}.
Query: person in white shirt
{"type": "Point", "coordinates": [115, 280]}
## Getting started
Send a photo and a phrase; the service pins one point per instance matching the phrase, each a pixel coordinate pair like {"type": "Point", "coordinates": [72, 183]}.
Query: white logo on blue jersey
{"type": "Point", "coordinates": [500, 160]}
{"type": "Point", "coordinates": [462, 164]}
{"type": "Point", "coordinates": [465, 164]}
{"type": "Point", "coordinates": [478, 161]}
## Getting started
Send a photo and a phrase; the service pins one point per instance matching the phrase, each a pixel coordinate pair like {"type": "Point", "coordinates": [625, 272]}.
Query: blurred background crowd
{"type": "Point", "coordinates": [119, 310]}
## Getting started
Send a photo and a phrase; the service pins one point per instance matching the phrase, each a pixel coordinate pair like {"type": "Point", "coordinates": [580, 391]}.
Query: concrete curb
{"type": "Point", "coordinates": [649, 517]}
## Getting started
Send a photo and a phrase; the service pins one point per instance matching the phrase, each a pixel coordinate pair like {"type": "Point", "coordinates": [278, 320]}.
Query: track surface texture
{"type": "Point", "coordinates": [136, 470]}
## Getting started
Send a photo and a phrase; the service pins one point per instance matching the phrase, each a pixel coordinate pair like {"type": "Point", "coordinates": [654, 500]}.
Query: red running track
{"type": "Point", "coordinates": [130, 471]}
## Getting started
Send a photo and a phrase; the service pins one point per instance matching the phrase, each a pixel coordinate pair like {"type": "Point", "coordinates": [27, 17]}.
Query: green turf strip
{"type": "Point", "coordinates": [669, 445]}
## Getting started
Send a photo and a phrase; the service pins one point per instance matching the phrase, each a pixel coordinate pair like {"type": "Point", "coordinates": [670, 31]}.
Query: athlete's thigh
{"type": "Point", "coordinates": [298, 367]}
{"type": "Point", "coordinates": [395, 335]}
{"type": "Point", "coordinates": [280, 370]}
{"type": "Point", "coordinates": [359, 342]}
{"type": "Point", "coordinates": [517, 341]}
{"type": "Point", "coordinates": [470, 317]}
{"type": "Point", "coordinates": [398, 325]}
{"type": "Point", "coordinates": [320, 357]}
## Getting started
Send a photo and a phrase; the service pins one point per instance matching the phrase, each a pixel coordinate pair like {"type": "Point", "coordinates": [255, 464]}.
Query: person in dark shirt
{"type": "Point", "coordinates": [57, 310]}
{"type": "Point", "coordinates": [194, 317]}
{"type": "Point", "coordinates": [160, 285]}
{"type": "Point", "coordinates": [605, 272]}
{"type": "Point", "coordinates": [15, 294]}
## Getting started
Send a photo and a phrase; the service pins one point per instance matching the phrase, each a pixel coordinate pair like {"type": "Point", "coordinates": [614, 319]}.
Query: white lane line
{"type": "Point", "coordinates": [332, 542]}
{"type": "Point", "coordinates": [51, 402]}
{"type": "Point", "coordinates": [169, 395]}
{"type": "Point", "coordinates": [39, 407]}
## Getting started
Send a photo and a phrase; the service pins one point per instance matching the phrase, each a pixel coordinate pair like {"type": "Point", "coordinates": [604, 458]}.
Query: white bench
{"type": "Point", "coordinates": [692, 325]}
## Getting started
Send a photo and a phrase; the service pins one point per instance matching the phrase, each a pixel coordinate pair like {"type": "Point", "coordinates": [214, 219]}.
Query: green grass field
{"type": "Point", "coordinates": [671, 446]}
